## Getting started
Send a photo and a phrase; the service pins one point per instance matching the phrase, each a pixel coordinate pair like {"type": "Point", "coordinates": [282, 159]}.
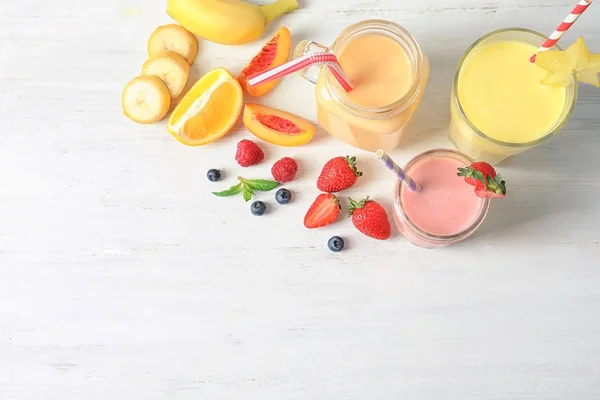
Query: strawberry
{"type": "Point", "coordinates": [491, 187]}
{"type": "Point", "coordinates": [284, 170]}
{"type": "Point", "coordinates": [248, 153]}
{"type": "Point", "coordinates": [370, 218]}
{"type": "Point", "coordinates": [477, 171]}
{"type": "Point", "coordinates": [338, 174]}
{"type": "Point", "coordinates": [323, 211]}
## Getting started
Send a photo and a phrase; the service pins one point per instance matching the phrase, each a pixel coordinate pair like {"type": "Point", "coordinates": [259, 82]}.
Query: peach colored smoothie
{"type": "Point", "coordinates": [389, 73]}
{"type": "Point", "coordinates": [446, 209]}
{"type": "Point", "coordinates": [379, 68]}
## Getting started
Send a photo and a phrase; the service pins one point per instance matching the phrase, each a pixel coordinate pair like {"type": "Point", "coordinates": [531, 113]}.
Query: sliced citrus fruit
{"type": "Point", "coordinates": [273, 54]}
{"type": "Point", "coordinates": [209, 110]}
{"type": "Point", "coordinates": [173, 38]}
{"type": "Point", "coordinates": [171, 68]}
{"type": "Point", "coordinates": [145, 99]}
{"type": "Point", "coordinates": [576, 59]}
{"type": "Point", "coordinates": [276, 126]}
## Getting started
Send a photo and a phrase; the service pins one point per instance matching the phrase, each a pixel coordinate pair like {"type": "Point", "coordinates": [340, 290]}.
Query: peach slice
{"type": "Point", "coordinates": [273, 54]}
{"type": "Point", "coordinates": [276, 126]}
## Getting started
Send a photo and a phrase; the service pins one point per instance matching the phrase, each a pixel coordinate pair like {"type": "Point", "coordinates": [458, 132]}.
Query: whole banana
{"type": "Point", "coordinates": [227, 21]}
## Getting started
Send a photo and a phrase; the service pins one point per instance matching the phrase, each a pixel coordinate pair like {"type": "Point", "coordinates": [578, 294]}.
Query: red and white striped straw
{"type": "Point", "coordinates": [563, 27]}
{"type": "Point", "coordinates": [302, 62]}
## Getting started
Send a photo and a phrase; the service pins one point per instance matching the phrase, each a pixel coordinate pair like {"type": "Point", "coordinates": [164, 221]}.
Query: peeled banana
{"type": "Point", "coordinates": [146, 99]}
{"type": "Point", "coordinates": [173, 38]}
{"type": "Point", "coordinates": [171, 68]}
{"type": "Point", "coordinates": [227, 21]}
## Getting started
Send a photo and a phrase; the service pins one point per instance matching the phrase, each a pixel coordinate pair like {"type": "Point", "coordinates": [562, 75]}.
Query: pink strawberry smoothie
{"type": "Point", "coordinates": [446, 205]}
{"type": "Point", "coordinates": [446, 210]}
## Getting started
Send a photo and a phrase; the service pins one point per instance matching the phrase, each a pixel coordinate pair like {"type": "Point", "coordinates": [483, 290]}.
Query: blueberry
{"type": "Point", "coordinates": [335, 244]}
{"type": "Point", "coordinates": [283, 196]}
{"type": "Point", "coordinates": [258, 208]}
{"type": "Point", "coordinates": [213, 175]}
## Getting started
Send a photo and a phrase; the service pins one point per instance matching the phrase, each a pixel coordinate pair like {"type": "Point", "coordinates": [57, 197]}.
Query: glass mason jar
{"type": "Point", "coordinates": [368, 128]}
{"type": "Point", "coordinates": [477, 144]}
{"type": "Point", "coordinates": [411, 229]}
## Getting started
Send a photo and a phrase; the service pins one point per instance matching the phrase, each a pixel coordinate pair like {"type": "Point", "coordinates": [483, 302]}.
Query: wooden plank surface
{"type": "Point", "coordinates": [122, 278]}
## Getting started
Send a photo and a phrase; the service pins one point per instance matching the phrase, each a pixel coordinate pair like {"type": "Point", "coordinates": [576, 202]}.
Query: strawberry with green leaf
{"type": "Point", "coordinates": [488, 184]}
{"type": "Point", "coordinates": [476, 171]}
{"type": "Point", "coordinates": [491, 187]}
{"type": "Point", "coordinates": [323, 211]}
{"type": "Point", "coordinates": [370, 218]}
{"type": "Point", "coordinates": [339, 173]}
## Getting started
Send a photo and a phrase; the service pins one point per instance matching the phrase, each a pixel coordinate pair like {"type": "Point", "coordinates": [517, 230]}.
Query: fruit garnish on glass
{"type": "Point", "coordinates": [488, 183]}
{"type": "Point", "coordinates": [576, 59]}
{"type": "Point", "coordinates": [273, 54]}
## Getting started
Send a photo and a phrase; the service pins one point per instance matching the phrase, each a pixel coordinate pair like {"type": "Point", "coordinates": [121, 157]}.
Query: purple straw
{"type": "Point", "coordinates": [392, 166]}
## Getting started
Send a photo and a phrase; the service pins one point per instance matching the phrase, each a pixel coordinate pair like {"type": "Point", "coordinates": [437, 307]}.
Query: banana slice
{"type": "Point", "coordinates": [146, 99]}
{"type": "Point", "coordinates": [171, 68]}
{"type": "Point", "coordinates": [173, 38]}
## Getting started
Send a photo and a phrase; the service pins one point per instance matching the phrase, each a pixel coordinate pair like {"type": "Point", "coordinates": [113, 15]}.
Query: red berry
{"type": "Point", "coordinates": [284, 170]}
{"type": "Point", "coordinates": [487, 194]}
{"type": "Point", "coordinates": [338, 174]}
{"type": "Point", "coordinates": [370, 218]}
{"type": "Point", "coordinates": [323, 211]}
{"type": "Point", "coordinates": [492, 189]}
{"type": "Point", "coordinates": [476, 172]}
{"type": "Point", "coordinates": [248, 153]}
{"type": "Point", "coordinates": [483, 176]}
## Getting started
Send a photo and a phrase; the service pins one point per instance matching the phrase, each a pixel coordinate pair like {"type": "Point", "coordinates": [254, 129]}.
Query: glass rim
{"type": "Point", "coordinates": [463, 115]}
{"type": "Point", "coordinates": [400, 210]}
{"type": "Point", "coordinates": [397, 31]}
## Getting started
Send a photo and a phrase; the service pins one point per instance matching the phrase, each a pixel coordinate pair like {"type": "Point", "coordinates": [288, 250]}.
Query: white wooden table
{"type": "Point", "coordinates": [121, 277]}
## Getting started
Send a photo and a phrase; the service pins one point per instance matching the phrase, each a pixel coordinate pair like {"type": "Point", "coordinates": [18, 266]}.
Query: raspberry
{"type": "Point", "coordinates": [248, 153]}
{"type": "Point", "coordinates": [284, 170]}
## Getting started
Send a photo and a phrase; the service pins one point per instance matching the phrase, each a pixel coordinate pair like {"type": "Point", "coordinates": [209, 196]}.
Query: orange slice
{"type": "Point", "coordinates": [209, 110]}
{"type": "Point", "coordinates": [576, 59]}
{"type": "Point", "coordinates": [273, 54]}
{"type": "Point", "coordinates": [276, 126]}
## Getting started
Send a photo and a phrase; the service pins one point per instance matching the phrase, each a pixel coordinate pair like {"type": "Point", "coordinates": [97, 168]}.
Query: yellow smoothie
{"type": "Point", "coordinates": [502, 95]}
{"type": "Point", "coordinates": [382, 73]}
{"type": "Point", "coordinates": [499, 106]}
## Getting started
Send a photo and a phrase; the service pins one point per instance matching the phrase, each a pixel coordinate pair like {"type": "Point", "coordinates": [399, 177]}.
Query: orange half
{"type": "Point", "coordinates": [209, 110]}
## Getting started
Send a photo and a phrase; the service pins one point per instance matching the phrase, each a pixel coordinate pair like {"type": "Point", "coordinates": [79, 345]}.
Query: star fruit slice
{"type": "Point", "coordinates": [576, 59]}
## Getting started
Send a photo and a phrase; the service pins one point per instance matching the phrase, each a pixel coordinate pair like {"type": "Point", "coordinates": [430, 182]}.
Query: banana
{"type": "Point", "coordinates": [227, 21]}
{"type": "Point", "coordinates": [171, 68]}
{"type": "Point", "coordinates": [146, 99]}
{"type": "Point", "coordinates": [173, 38]}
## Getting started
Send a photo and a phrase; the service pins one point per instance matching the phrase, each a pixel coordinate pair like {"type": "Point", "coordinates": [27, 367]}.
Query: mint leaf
{"type": "Point", "coordinates": [262, 185]}
{"type": "Point", "coordinates": [232, 191]}
{"type": "Point", "coordinates": [247, 192]}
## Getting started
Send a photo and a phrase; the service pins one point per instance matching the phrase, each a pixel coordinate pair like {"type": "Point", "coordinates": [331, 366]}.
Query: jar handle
{"type": "Point", "coordinates": [310, 73]}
